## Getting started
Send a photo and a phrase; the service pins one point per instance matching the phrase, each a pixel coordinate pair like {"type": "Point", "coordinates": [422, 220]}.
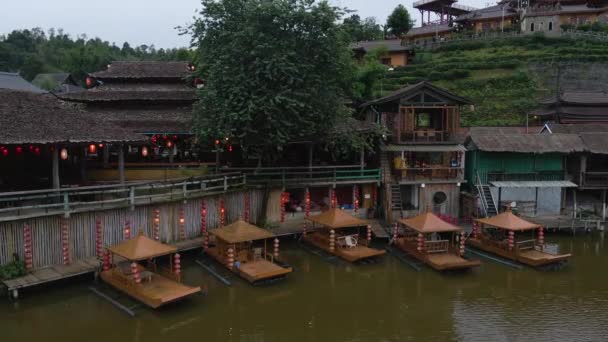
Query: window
{"type": "Point", "coordinates": [550, 26]}
{"type": "Point", "coordinates": [423, 120]}
{"type": "Point", "coordinates": [439, 198]}
{"type": "Point", "coordinates": [386, 61]}
{"type": "Point", "coordinates": [532, 27]}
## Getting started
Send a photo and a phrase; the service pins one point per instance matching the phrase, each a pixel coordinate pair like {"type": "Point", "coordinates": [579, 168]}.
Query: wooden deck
{"type": "Point", "coordinates": [154, 292]}
{"type": "Point", "coordinates": [79, 267]}
{"type": "Point", "coordinates": [534, 258]}
{"type": "Point", "coordinates": [52, 273]}
{"type": "Point", "coordinates": [438, 261]}
{"type": "Point", "coordinates": [354, 254]}
{"type": "Point", "coordinates": [253, 271]}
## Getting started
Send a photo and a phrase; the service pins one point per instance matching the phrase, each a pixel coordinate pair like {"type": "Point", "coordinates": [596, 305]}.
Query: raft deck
{"type": "Point", "coordinates": [530, 257]}
{"type": "Point", "coordinates": [155, 291]}
{"type": "Point", "coordinates": [253, 270]}
{"type": "Point", "coordinates": [352, 254]}
{"type": "Point", "coordinates": [444, 261]}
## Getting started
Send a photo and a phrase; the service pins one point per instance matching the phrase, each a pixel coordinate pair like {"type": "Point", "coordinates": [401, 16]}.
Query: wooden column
{"type": "Point", "coordinates": [106, 156]}
{"type": "Point", "coordinates": [362, 158]}
{"type": "Point", "coordinates": [121, 164]}
{"type": "Point", "coordinates": [55, 167]}
{"type": "Point", "coordinates": [574, 205]}
{"type": "Point", "coordinates": [310, 150]}
{"type": "Point", "coordinates": [83, 165]}
{"type": "Point", "coordinates": [583, 167]}
{"type": "Point", "coordinates": [604, 205]}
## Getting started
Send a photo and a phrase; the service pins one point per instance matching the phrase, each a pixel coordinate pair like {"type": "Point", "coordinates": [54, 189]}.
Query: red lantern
{"type": "Point", "coordinates": [307, 203]}
{"type": "Point", "coordinates": [247, 201]}
{"type": "Point", "coordinates": [5, 152]}
{"type": "Point", "coordinates": [169, 143]}
{"type": "Point", "coordinates": [92, 149]}
{"type": "Point", "coordinates": [144, 151]}
{"type": "Point", "coordinates": [90, 82]}
{"type": "Point", "coordinates": [217, 142]}
{"type": "Point", "coordinates": [37, 150]}
{"type": "Point", "coordinates": [31, 148]}
{"type": "Point", "coordinates": [18, 150]}
{"type": "Point", "coordinates": [222, 213]}
{"type": "Point", "coordinates": [100, 145]}
{"type": "Point", "coordinates": [229, 148]}
{"type": "Point", "coordinates": [154, 138]}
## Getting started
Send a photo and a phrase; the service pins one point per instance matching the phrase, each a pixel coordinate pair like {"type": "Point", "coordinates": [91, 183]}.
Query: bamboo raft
{"type": "Point", "coordinates": [425, 239]}
{"type": "Point", "coordinates": [345, 244]}
{"type": "Point", "coordinates": [497, 235]}
{"type": "Point", "coordinates": [237, 248]}
{"type": "Point", "coordinates": [151, 285]}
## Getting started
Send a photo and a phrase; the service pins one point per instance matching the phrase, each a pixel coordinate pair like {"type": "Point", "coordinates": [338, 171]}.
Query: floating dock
{"type": "Point", "coordinates": [49, 274]}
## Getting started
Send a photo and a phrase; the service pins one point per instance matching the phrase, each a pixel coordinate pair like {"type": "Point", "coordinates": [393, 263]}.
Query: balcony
{"type": "Point", "coordinates": [416, 167]}
{"type": "Point", "coordinates": [598, 180]}
{"type": "Point", "coordinates": [522, 176]}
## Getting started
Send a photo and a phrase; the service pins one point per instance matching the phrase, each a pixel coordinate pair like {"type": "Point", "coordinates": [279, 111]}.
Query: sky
{"type": "Point", "coordinates": [150, 22]}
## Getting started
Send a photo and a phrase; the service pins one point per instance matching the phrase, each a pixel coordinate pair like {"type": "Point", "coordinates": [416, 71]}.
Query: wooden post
{"type": "Point", "coordinates": [535, 201]}
{"type": "Point", "coordinates": [499, 200]}
{"type": "Point", "coordinates": [583, 170]}
{"type": "Point", "coordinates": [55, 167]}
{"type": "Point", "coordinates": [362, 158]}
{"type": "Point", "coordinates": [604, 205]}
{"type": "Point", "coordinates": [83, 165]}
{"type": "Point", "coordinates": [106, 156]}
{"type": "Point", "coordinates": [574, 205]}
{"type": "Point", "coordinates": [121, 164]}
{"type": "Point", "coordinates": [310, 151]}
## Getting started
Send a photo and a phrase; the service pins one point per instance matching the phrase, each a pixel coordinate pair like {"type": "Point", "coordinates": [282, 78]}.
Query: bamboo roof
{"type": "Point", "coordinates": [241, 231]}
{"type": "Point", "coordinates": [508, 221]}
{"type": "Point", "coordinates": [142, 248]}
{"type": "Point", "coordinates": [336, 218]}
{"type": "Point", "coordinates": [429, 223]}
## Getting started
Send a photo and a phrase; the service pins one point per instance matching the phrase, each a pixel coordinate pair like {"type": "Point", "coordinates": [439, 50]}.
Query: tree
{"type": "Point", "coordinates": [359, 30]}
{"type": "Point", "coordinates": [399, 22]}
{"type": "Point", "coordinates": [369, 73]}
{"type": "Point", "coordinates": [275, 71]}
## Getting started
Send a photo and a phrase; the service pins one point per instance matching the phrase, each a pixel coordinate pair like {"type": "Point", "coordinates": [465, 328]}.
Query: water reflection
{"type": "Point", "coordinates": [322, 301]}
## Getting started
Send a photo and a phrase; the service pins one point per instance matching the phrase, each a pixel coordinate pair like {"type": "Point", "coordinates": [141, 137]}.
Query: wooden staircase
{"type": "Point", "coordinates": [392, 191]}
{"type": "Point", "coordinates": [488, 204]}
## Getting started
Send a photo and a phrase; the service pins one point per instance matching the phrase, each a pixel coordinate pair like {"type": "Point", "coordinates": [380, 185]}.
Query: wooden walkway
{"type": "Point", "coordinates": [53, 273]}
{"type": "Point", "coordinates": [295, 226]}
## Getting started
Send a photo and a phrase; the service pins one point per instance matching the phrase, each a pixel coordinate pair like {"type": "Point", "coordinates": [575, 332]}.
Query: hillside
{"type": "Point", "coordinates": [505, 78]}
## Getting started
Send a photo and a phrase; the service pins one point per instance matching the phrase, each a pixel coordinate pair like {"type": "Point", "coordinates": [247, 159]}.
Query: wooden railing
{"type": "Point", "coordinates": [525, 245]}
{"type": "Point", "coordinates": [431, 173]}
{"type": "Point", "coordinates": [309, 175]}
{"type": "Point", "coordinates": [47, 202]}
{"type": "Point", "coordinates": [441, 246]}
{"type": "Point", "coordinates": [488, 177]}
{"type": "Point", "coordinates": [594, 179]}
{"type": "Point", "coordinates": [425, 135]}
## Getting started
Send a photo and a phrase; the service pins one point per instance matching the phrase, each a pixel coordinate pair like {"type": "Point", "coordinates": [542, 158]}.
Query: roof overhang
{"type": "Point", "coordinates": [534, 184]}
{"type": "Point", "coordinates": [424, 148]}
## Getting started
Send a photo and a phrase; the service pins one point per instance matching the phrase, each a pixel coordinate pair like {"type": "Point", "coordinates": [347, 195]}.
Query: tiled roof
{"type": "Point", "coordinates": [143, 70]}
{"type": "Point", "coordinates": [392, 45]}
{"type": "Point", "coordinates": [13, 81]}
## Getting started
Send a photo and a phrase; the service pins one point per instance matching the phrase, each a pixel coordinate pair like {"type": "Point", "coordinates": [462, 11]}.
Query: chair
{"type": "Point", "coordinates": [257, 254]}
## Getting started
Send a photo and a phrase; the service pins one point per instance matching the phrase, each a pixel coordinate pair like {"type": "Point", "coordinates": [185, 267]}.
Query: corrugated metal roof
{"type": "Point", "coordinates": [424, 148]}
{"type": "Point", "coordinates": [527, 143]}
{"type": "Point", "coordinates": [534, 184]}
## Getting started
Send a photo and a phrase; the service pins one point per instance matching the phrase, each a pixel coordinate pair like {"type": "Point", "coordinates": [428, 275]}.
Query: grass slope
{"type": "Point", "coordinates": [505, 78]}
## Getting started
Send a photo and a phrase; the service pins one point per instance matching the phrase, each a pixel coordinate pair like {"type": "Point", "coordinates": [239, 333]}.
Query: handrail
{"type": "Point", "coordinates": [478, 185]}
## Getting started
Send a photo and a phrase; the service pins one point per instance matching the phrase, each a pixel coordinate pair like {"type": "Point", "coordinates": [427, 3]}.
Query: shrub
{"type": "Point", "coordinates": [12, 270]}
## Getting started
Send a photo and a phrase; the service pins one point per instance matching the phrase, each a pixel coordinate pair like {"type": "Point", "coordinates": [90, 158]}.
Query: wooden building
{"type": "Point", "coordinates": [506, 164]}
{"type": "Point", "coordinates": [499, 17]}
{"type": "Point", "coordinates": [150, 98]}
{"type": "Point", "coordinates": [573, 107]}
{"type": "Point", "coordinates": [396, 54]}
{"type": "Point", "coordinates": [549, 17]}
{"type": "Point", "coordinates": [440, 27]}
{"type": "Point", "coordinates": [44, 141]}
{"type": "Point", "coordinates": [423, 156]}
{"type": "Point", "coordinates": [588, 169]}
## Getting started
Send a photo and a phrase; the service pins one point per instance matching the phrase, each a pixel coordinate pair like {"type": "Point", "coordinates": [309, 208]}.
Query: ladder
{"type": "Point", "coordinates": [396, 201]}
{"type": "Point", "coordinates": [488, 204]}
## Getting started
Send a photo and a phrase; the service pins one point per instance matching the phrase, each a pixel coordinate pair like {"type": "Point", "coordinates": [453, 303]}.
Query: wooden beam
{"type": "Point", "coordinates": [121, 164]}
{"type": "Point", "coordinates": [55, 167]}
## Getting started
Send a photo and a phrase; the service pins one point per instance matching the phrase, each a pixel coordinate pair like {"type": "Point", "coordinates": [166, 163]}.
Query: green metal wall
{"type": "Point", "coordinates": [509, 162]}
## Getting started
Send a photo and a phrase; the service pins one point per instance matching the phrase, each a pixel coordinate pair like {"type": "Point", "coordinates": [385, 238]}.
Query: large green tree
{"type": "Point", "coordinates": [275, 71]}
{"type": "Point", "coordinates": [360, 30]}
{"type": "Point", "coordinates": [399, 21]}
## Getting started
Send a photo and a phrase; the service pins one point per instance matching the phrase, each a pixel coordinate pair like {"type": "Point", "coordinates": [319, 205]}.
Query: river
{"type": "Point", "coordinates": [321, 301]}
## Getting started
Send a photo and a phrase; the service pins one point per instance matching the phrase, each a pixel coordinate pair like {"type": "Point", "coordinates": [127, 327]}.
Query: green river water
{"type": "Point", "coordinates": [321, 301]}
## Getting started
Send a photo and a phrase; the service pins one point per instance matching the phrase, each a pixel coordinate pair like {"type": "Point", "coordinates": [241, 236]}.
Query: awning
{"type": "Point", "coordinates": [534, 184]}
{"type": "Point", "coordinates": [424, 148]}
